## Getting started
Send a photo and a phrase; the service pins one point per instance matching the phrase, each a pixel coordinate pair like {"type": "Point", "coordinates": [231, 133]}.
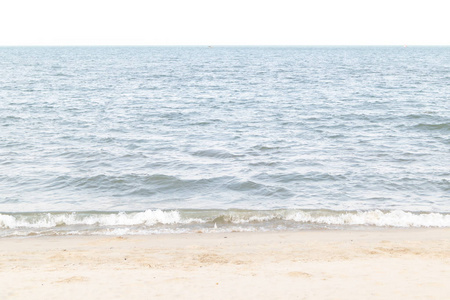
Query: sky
{"type": "Point", "coordinates": [230, 22]}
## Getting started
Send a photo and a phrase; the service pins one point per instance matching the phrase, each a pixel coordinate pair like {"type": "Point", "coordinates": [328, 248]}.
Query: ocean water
{"type": "Point", "coordinates": [142, 140]}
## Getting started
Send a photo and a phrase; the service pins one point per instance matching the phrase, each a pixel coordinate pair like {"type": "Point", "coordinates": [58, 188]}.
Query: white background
{"type": "Point", "coordinates": [231, 22]}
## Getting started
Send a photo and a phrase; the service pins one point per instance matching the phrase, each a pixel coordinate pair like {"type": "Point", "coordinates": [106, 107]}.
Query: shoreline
{"type": "Point", "coordinates": [393, 263]}
{"type": "Point", "coordinates": [176, 221]}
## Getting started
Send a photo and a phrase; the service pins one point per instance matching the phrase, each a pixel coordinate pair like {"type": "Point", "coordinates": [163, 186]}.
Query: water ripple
{"type": "Point", "coordinates": [128, 128]}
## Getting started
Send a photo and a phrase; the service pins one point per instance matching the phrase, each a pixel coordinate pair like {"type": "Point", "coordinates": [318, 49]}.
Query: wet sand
{"type": "Point", "coordinates": [350, 264]}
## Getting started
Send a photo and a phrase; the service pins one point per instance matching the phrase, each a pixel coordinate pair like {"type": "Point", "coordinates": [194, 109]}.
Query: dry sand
{"type": "Point", "coordinates": [372, 264]}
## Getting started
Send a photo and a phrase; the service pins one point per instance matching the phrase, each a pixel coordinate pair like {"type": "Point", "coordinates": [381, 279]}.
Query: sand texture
{"type": "Point", "coordinates": [369, 264]}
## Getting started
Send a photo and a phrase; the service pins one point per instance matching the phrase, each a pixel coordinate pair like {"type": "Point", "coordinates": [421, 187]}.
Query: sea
{"type": "Point", "coordinates": [150, 140]}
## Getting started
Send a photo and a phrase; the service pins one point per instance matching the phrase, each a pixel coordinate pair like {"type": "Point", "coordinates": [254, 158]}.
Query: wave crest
{"type": "Point", "coordinates": [48, 220]}
{"type": "Point", "coordinates": [160, 221]}
{"type": "Point", "coordinates": [396, 218]}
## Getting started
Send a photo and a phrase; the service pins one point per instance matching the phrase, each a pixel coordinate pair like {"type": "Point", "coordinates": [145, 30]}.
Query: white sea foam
{"type": "Point", "coordinates": [148, 217]}
{"type": "Point", "coordinates": [48, 220]}
{"type": "Point", "coordinates": [395, 218]}
{"type": "Point", "coordinates": [173, 221]}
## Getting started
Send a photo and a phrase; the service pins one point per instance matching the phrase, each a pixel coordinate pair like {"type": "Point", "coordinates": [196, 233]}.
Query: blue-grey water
{"type": "Point", "coordinates": [170, 139]}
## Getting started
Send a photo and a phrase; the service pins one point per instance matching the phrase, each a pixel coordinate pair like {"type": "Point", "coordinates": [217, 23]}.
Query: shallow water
{"type": "Point", "coordinates": [132, 129]}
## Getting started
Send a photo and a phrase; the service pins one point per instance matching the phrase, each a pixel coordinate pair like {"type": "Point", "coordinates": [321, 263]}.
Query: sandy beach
{"type": "Point", "coordinates": [328, 264]}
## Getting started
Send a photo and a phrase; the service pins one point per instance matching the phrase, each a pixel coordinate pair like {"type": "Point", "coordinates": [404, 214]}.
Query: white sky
{"type": "Point", "coordinates": [230, 22]}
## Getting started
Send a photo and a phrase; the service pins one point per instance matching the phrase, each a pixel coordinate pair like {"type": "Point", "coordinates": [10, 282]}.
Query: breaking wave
{"type": "Point", "coordinates": [168, 221]}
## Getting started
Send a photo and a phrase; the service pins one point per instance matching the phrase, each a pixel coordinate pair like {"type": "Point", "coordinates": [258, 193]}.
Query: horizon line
{"type": "Point", "coordinates": [226, 45]}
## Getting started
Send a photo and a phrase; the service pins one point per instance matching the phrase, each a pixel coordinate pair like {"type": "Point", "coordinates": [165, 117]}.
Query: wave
{"type": "Point", "coordinates": [395, 218]}
{"type": "Point", "coordinates": [48, 220]}
{"type": "Point", "coordinates": [440, 126]}
{"type": "Point", "coordinates": [215, 153]}
{"type": "Point", "coordinates": [145, 184]}
{"type": "Point", "coordinates": [163, 221]}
